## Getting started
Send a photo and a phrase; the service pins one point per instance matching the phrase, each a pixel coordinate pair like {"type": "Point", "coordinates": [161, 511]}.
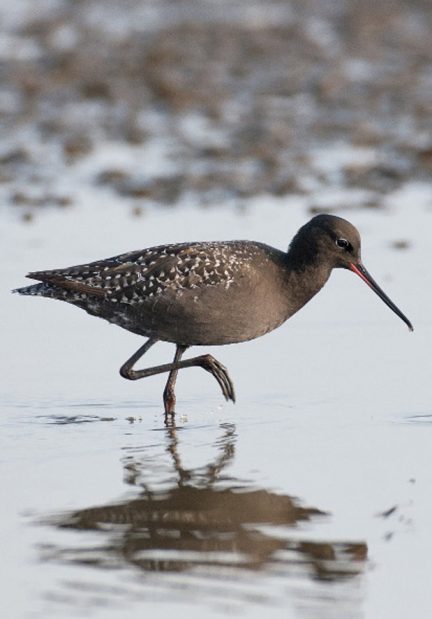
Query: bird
{"type": "Point", "coordinates": [207, 293]}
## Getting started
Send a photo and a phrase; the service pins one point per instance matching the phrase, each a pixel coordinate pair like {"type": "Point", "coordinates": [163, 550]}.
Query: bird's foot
{"type": "Point", "coordinates": [219, 371]}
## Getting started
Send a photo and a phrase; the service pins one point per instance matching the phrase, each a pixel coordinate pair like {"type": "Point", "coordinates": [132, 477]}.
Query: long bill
{"type": "Point", "coordinates": [366, 277]}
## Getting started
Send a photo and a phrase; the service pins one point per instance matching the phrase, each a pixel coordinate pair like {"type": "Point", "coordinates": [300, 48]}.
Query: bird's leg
{"type": "Point", "coordinates": [207, 362]}
{"type": "Point", "coordinates": [169, 398]}
{"type": "Point", "coordinates": [126, 369]}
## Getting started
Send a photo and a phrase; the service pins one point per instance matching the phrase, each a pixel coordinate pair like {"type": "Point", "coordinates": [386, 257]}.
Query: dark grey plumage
{"type": "Point", "coordinates": [190, 294]}
{"type": "Point", "coordinates": [210, 293]}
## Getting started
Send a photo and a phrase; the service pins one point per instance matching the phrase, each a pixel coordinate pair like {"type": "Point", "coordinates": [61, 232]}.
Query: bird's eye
{"type": "Point", "coordinates": [343, 244]}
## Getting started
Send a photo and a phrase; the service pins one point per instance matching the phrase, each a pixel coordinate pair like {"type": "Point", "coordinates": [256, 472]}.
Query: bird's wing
{"type": "Point", "coordinates": [150, 271]}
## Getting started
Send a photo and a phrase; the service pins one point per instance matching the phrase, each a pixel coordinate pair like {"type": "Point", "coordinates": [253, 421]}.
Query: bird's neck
{"type": "Point", "coordinates": [303, 280]}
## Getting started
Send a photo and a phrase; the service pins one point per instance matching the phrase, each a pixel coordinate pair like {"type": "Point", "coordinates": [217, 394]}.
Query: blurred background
{"type": "Point", "coordinates": [129, 123]}
{"type": "Point", "coordinates": [164, 102]}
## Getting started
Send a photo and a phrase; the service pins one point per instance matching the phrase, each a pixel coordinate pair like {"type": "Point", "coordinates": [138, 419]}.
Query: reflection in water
{"type": "Point", "coordinates": [67, 420]}
{"type": "Point", "coordinates": [199, 517]}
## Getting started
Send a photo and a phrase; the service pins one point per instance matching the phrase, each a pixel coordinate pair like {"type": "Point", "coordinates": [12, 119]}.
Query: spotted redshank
{"type": "Point", "coordinates": [210, 293]}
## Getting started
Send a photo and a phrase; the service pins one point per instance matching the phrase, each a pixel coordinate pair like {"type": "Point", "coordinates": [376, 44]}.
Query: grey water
{"type": "Point", "coordinates": [308, 497]}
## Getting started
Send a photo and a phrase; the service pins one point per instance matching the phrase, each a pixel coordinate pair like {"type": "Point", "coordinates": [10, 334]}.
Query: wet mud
{"type": "Point", "coordinates": [240, 98]}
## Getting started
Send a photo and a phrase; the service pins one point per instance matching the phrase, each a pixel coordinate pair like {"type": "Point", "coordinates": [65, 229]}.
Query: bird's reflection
{"type": "Point", "coordinates": [200, 516]}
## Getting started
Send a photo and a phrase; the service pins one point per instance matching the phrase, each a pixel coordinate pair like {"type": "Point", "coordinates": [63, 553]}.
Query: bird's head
{"type": "Point", "coordinates": [335, 243]}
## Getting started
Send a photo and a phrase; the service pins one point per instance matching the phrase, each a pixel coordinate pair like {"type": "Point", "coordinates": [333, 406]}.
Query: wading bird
{"type": "Point", "coordinates": [206, 294]}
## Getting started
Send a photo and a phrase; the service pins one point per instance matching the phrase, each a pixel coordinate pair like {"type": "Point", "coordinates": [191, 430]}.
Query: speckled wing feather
{"type": "Point", "coordinates": [134, 277]}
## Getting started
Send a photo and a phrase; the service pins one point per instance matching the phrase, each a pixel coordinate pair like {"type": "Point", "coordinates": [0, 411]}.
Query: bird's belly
{"type": "Point", "coordinates": [211, 316]}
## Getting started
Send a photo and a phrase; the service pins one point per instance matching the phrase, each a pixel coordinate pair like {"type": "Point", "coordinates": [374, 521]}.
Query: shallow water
{"type": "Point", "coordinates": [308, 498]}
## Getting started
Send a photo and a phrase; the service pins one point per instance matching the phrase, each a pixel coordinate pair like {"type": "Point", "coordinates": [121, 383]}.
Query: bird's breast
{"type": "Point", "coordinates": [234, 311]}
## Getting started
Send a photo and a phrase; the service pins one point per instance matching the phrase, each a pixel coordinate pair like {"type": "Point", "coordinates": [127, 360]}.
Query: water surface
{"type": "Point", "coordinates": [307, 498]}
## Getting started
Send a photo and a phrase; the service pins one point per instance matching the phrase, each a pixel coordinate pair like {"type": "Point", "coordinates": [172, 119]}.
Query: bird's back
{"type": "Point", "coordinates": [189, 293]}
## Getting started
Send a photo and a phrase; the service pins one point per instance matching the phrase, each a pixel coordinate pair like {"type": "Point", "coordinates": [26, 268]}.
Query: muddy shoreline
{"type": "Point", "coordinates": [239, 97]}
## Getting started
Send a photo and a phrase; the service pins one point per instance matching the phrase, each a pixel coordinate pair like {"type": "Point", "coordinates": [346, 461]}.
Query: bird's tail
{"type": "Point", "coordinates": [40, 290]}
